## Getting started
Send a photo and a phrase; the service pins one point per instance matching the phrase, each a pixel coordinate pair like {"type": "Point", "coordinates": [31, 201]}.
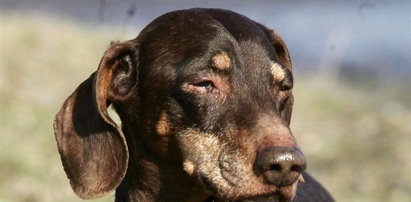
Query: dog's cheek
{"type": "Point", "coordinates": [200, 150]}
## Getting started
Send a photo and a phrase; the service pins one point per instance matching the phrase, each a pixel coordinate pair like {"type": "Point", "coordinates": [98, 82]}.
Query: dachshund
{"type": "Point", "coordinates": [204, 98]}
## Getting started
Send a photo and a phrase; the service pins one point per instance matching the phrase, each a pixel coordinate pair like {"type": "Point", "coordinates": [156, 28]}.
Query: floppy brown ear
{"type": "Point", "coordinates": [280, 47]}
{"type": "Point", "coordinates": [92, 146]}
{"type": "Point", "coordinates": [284, 58]}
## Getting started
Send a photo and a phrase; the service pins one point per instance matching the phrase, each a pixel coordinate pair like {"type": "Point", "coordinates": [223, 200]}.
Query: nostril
{"type": "Point", "coordinates": [297, 168]}
{"type": "Point", "coordinates": [275, 167]}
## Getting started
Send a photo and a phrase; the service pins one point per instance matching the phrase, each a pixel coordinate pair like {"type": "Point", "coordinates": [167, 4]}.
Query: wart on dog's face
{"type": "Point", "coordinates": [224, 94]}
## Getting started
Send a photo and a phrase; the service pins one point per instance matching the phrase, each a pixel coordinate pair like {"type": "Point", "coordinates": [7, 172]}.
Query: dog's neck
{"type": "Point", "coordinates": [148, 181]}
{"type": "Point", "coordinates": [153, 178]}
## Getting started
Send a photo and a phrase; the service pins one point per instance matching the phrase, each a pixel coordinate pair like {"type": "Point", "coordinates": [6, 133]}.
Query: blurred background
{"type": "Point", "coordinates": [352, 66]}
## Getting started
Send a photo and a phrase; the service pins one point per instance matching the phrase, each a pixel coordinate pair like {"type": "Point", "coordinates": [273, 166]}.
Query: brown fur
{"type": "Point", "coordinates": [199, 101]}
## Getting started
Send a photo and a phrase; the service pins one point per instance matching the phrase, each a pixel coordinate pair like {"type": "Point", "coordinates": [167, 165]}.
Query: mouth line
{"type": "Point", "coordinates": [271, 197]}
{"type": "Point", "coordinates": [277, 194]}
{"type": "Point", "coordinates": [225, 175]}
{"type": "Point", "coordinates": [256, 191]}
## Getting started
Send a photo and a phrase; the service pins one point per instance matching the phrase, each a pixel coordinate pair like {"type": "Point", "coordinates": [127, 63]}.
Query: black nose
{"type": "Point", "coordinates": [280, 166]}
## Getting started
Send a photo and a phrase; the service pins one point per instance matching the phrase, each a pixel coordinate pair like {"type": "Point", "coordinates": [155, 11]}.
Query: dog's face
{"type": "Point", "coordinates": [206, 90]}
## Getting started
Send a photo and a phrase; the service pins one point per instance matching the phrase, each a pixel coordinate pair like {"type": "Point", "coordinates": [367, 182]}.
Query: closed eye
{"type": "Point", "coordinates": [205, 84]}
{"type": "Point", "coordinates": [201, 87]}
{"type": "Point", "coordinates": [286, 84]}
{"type": "Point", "coordinates": [285, 87]}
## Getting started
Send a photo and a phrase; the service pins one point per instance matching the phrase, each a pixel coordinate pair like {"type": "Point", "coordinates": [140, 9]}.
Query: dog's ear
{"type": "Point", "coordinates": [92, 146]}
{"type": "Point", "coordinates": [284, 58]}
{"type": "Point", "coordinates": [279, 46]}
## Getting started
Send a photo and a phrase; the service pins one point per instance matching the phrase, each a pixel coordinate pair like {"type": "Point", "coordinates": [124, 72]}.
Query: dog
{"type": "Point", "coordinates": [205, 98]}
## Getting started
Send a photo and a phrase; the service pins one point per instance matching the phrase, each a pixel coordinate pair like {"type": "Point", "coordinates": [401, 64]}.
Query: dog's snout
{"type": "Point", "coordinates": [280, 166]}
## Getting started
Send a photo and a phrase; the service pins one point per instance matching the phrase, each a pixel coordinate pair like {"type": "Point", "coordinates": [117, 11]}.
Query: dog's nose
{"type": "Point", "coordinates": [280, 166]}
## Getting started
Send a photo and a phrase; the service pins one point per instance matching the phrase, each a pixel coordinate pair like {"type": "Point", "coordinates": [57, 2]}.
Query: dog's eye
{"type": "Point", "coordinates": [201, 87]}
{"type": "Point", "coordinates": [285, 88]}
{"type": "Point", "coordinates": [286, 85]}
{"type": "Point", "coordinates": [205, 84]}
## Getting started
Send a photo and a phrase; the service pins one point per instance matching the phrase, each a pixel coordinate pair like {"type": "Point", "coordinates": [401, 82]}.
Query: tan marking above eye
{"type": "Point", "coordinates": [277, 72]}
{"type": "Point", "coordinates": [163, 124]}
{"type": "Point", "coordinates": [221, 61]}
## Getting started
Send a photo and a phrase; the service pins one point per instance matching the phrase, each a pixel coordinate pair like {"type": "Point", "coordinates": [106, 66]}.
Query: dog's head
{"type": "Point", "coordinates": [205, 90]}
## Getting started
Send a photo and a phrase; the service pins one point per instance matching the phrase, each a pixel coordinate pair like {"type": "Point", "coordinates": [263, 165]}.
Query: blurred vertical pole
{"type": "Point", "coordinates": [101, 10]}
{"type": "Point", "coordinates": [336, 47]}
{"type": "Point", "coordinates": [131, 11]}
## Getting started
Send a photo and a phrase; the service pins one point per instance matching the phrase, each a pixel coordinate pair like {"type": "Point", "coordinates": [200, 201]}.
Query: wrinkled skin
{"type": "Point", "coordinates": [199, 93]}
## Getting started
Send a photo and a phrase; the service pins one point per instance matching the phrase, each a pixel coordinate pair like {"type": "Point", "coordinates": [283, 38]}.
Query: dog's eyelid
{"type": "Point", "coordinates": [286, 86]}
{"type": "Point", "coordinates": [287, 83]}
{"type": "Point", "coordinates": [203, 79]}
{"type": "Point", "coordinates": [205, 84]}
{"type": "Point", "coordinates": [200, 86]}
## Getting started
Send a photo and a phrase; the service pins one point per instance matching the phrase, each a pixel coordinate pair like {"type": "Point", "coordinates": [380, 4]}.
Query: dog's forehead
{"type": "Point", "coordinates": [204, 37]}
{"type": "Point", "coordinates": [193, 31]}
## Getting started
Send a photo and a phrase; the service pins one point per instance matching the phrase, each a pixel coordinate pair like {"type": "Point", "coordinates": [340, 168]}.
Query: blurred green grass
{"type": "Point", "coordinates": [356, 137]}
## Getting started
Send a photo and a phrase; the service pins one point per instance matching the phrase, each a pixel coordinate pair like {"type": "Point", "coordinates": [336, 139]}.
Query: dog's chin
{"type": "Point", "coordinates": [287, 193]}
{"type": "Point", "coordinates": [272, 197]}
{"type": "Point", "coordinates": [280, 194]}
{"type": "Point", "coordinates": [263, 198]}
